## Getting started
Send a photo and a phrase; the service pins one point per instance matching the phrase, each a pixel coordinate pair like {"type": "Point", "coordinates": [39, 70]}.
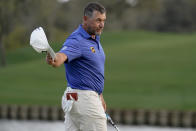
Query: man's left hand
{"type": "Point", "coordinates": [103, 102]}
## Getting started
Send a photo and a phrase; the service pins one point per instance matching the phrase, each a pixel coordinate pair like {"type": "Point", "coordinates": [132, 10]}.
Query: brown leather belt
{"type": "Point", "coordinates": [73, 95]}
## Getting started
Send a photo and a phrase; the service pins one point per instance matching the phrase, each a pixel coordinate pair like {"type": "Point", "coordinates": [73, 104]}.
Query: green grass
{"type": "Point", "coordinates": [143, 70]}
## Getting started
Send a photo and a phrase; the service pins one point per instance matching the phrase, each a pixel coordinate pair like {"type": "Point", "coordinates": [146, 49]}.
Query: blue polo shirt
{"type": "Point", "coordinates": [86, 59]}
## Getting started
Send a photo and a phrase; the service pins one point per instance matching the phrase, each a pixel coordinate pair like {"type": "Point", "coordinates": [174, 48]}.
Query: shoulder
{"type": "Point", "coordinates": [73, 39]}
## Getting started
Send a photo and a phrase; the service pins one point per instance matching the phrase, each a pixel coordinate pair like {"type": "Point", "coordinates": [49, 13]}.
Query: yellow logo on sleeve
{"type": "Point", "coordinates": [93, 49]}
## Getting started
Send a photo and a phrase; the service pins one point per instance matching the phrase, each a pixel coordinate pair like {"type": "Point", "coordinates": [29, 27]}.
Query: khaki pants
{"type": "Point", "coordinates": [86, 114]}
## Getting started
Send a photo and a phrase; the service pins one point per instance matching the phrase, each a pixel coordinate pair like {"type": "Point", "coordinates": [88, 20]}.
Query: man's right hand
{"type": "Point", "coordinates": [59, 59]}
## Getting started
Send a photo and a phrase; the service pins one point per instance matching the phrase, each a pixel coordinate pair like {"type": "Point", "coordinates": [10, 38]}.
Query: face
{"type": "Point", "coordinates": [95, 24]}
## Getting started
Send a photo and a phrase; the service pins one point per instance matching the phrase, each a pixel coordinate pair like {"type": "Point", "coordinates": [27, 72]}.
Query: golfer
{"type": "Point", "coordinates": [84, 59]}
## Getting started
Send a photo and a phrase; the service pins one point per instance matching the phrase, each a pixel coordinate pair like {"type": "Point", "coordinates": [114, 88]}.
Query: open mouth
{"type": "Point", "coordinates": [99, 30]}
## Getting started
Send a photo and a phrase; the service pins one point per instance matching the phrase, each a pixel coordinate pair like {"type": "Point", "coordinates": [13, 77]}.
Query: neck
{"type": "Point", "coordinates": [93, 36]}
{"type": "Point", "coordinates": [86, 29]}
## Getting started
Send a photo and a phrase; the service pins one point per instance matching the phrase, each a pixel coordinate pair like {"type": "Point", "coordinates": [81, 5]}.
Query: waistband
{"type": "Point", "coordinates": [69, 89]}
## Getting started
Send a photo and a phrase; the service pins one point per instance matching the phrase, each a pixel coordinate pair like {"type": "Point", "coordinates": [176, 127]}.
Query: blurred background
{"type": "Point", "coordinates": [149, 45]}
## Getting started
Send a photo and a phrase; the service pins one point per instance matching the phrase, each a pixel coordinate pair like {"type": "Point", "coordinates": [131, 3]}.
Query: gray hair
{"type": "Point", "coordinates": [93, 6]}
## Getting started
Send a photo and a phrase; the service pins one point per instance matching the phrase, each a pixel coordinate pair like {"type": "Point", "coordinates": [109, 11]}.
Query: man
{"type": "Point", "coordinates": [84, 59]}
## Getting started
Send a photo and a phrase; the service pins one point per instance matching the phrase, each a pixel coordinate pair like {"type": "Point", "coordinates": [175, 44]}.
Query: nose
{"type": "Point", "coordinates": [101, 24]}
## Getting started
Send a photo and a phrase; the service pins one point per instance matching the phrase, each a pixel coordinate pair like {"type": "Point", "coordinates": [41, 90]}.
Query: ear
{"type": "Point", "coordinates": [85, 18]}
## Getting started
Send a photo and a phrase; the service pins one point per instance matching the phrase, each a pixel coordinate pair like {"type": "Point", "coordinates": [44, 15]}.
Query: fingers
{"type": "Point", "coordinates": [49, 59]}
{"type": "Point", "coordinates": [103, 102]}
{"type": "Point", "coordinates": [104, 106]}
{"type": "Point", "coordinates": [48, 56]}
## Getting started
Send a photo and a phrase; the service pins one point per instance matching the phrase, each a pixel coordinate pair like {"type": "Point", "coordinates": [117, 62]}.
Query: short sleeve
{"type": "Point", "coordinates": [71, 49]}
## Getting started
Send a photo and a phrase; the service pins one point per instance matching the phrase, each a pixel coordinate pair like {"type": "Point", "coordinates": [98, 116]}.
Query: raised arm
{"type": "Point", "coordinates": [59, 59]}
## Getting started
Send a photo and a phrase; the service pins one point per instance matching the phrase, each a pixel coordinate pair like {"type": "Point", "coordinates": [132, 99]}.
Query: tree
{"type": "Point", "coordinates": [6, 13]}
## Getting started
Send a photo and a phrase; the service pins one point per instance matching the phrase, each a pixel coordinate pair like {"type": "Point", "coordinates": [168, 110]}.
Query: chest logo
{"type": "Point", "coordinates": [93, 49]}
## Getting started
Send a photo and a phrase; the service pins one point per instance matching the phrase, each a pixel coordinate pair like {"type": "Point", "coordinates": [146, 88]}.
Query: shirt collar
{"type": "Point", "coordinates": [86, 35]}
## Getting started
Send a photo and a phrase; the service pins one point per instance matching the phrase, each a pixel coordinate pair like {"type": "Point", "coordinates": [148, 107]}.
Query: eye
{"type": "Point", "coordinates": [100, 20]}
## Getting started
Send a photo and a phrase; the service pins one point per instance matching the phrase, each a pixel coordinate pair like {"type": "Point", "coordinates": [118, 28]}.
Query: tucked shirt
{"type": "Point", "coordinates": [86, 59]}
